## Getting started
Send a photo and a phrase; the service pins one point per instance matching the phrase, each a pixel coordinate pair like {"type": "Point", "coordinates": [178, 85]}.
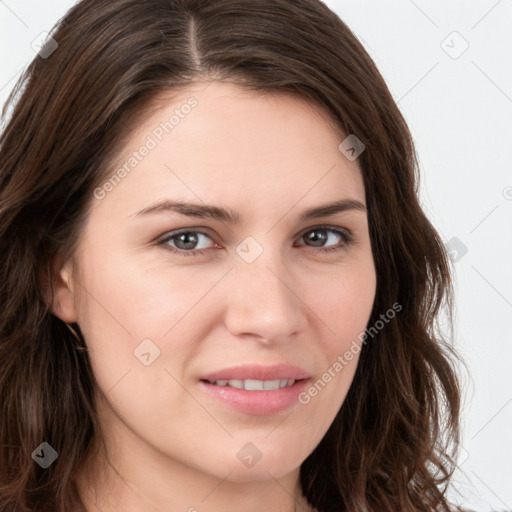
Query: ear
{"type": "Point", "coordinates": [64, 289]}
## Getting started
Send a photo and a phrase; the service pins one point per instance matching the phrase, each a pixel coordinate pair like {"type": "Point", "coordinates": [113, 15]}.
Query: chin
{"type": "Point", "coordinates": [250, 464]}
{"type": "Point", "coordinates": [261, 472]}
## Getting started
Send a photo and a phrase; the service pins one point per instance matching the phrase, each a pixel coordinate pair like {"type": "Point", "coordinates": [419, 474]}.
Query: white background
{"type": "Point", "coordinates": [459, 109]}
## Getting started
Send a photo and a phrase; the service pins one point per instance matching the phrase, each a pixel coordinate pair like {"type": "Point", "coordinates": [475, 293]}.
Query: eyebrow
{"type": "Point", "coordinates": [232, 217]}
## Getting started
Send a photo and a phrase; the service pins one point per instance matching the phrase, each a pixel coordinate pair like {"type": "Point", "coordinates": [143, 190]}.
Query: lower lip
{"type": "Point", "coordinates": [259, 403]}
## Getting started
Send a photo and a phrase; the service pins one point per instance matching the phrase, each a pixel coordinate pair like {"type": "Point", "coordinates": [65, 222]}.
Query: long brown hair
{"type": "Point", "coordinates": [393, 443]}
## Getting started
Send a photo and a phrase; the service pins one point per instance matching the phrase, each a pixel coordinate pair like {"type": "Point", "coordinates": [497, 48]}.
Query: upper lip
{"type": "Point", "coordinates": [258, 372]}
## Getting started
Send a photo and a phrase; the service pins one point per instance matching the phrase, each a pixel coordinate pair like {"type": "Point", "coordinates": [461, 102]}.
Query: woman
{"type": "Point", "coordinates": [219, 288]}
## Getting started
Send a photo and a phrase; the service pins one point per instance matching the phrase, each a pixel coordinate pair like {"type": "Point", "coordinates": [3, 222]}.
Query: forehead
{"type": "Point", "coordinates": [221, 142]}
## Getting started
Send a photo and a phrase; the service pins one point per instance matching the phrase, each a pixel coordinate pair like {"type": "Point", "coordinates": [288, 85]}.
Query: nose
{"type": "Point", "coordinates": [263, 301]}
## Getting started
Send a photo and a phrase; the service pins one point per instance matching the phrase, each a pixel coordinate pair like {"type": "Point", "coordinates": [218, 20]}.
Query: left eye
{"type": "Point", "coordinates": [318, 237]}
{"type": "Point", "coordinates": [192, 242]}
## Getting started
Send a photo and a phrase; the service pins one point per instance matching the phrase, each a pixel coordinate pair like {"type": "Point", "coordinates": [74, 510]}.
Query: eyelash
{"type": "Point", "coordinates": [345, 234]}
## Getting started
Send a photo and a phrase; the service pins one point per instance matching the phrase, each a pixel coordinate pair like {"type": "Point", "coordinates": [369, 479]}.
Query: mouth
{"type": "Point", "coordinates": [256, 389]}
{"type": "Point", "coordinates": [254, 384]}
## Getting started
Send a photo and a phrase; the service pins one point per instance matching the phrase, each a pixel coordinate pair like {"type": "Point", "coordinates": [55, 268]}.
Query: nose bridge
{"type": "Point", "coordinates": [261, 298]}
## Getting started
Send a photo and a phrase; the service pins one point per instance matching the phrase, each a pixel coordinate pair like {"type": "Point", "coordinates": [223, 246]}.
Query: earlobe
{"type": "Point", "coordinates": [63, 303]}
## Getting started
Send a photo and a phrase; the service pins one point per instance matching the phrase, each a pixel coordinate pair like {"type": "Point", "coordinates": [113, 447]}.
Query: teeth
{"type": "Point", "coordinates": [270, 384]}
{"type": "Point", "coordinates": [239, 384]}
{"type": "Point", "coordinates": [256, 385]}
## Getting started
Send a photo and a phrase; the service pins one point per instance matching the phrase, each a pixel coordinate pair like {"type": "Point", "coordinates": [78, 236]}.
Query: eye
{"type": "Point", "coordinates": [187, 243]}
{"type": "Point", "coordinates": [191, 242]}
{"type": "Point", "coordinates": [321, 235]}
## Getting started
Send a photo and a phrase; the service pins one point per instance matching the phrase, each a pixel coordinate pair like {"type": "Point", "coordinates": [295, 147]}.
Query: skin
{"type": "Point", "coordinates": [268, 157]}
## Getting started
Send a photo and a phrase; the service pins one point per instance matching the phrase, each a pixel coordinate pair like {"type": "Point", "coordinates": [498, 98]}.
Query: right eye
{"type": "Point", "coordinates": [188, 242]}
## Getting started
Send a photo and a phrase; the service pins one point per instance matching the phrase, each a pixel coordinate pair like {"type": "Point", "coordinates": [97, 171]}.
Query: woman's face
{"type": "Point", "coordinates": [247, 280]}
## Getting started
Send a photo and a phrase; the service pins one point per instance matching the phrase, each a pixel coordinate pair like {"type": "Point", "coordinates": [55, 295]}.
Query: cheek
{"type": "Point", "coordinates": [345, 307]}
{"type": "Point", "coordinates": [344, 302]}
{"type": "Point", "coordinates": [125, 303]}
{"type": "Point", "coordinates": [124, 293]}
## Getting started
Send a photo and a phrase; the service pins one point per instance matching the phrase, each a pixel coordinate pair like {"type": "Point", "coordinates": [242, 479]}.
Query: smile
{"type": "Point", "coordinates": [255, 385]}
